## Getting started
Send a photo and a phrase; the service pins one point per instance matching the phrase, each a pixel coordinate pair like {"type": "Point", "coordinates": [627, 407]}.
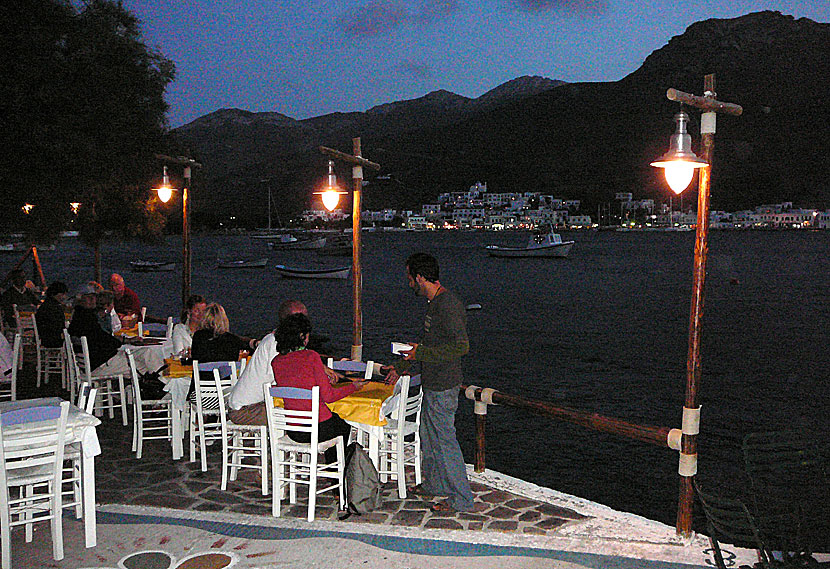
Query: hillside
{"type": "Point", "coordinates": [580, 140]}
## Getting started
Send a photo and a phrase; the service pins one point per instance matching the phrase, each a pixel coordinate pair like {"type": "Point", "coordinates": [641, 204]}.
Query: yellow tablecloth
{"type": "Point", "coordinates": [176, 368]}
{"type": "Point", "coordinates": [361, 406]}
{"type": "Point", "coordinates": [129, 332]}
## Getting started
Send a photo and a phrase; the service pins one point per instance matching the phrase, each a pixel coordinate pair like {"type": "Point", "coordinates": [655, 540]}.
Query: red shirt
{"type": "Point", "coordinates": [304, 369]}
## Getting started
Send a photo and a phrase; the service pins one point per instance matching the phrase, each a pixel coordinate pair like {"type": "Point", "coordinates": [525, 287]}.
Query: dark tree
{"type": "Point", "coordinates": [83, 114]}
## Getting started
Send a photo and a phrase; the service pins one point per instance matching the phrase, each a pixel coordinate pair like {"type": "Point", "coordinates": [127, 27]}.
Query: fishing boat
{"type": "Point", "coordinates": [301, 273]}
{"type": "Point", "coordinates": [152, 266]}
{"type": "Point", "coordinates": [548, 244]}
{"type": "Point", "coordinates": [242, 263]}
{"type": "Point", "coordinates": [337, 246]}
{"type": "Point", "coordinates": [288, 242]}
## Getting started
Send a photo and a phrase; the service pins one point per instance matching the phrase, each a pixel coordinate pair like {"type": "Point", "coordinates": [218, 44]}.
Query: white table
{"type": "Point", "coordinates": [80, 428]}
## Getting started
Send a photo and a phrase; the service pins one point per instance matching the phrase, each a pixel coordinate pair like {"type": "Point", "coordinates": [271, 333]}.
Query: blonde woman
{"type": "Point", "coordinates": [213, 342]}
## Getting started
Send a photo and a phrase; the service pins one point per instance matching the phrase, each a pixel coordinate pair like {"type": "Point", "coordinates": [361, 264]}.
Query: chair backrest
{"type": "Point", "coordinates": [222, 390]}
{"type": "Point", "coordinates": [35, 332]}
{"type": "Point", "coordinates": [71, 359]}
{"type": "Point", "coordinates": [25, 324]}
{"type": "Point", "coordinates": [227, 370]}
{"type": "Point", "coordinates": [281, 419]}
{"type": "Point", "coordinates": [206, 390]}
{"type": "Point", "coordinates": [409, 404]}
{"type": "Point", "coordinates": [169, 333]}
{"type": "Point", "coordinates": [143, 313]}
{"type": "Point", "coordinates": [84, 367]}
{"type": "Point", "coordinates": [366, 368]}
{"type": "Point", "coordinates": [86, 397]}
{"type": "Point", "coordinates": [40, 448]}
{"type": "Point", "coordinates": [154, 330]}
{"type": "Point", "coordinates": [729, 521]}
{"type": "Point", "coordinates": [8, 384]}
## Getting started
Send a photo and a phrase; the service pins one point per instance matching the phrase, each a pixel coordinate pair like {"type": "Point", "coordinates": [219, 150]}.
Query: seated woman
{"type": "Point", "coordinates": [295, 366]}
{"type": "Point", "coordinates": [192, 317]}
{"type": "Point", "coordinates": [214, 343]}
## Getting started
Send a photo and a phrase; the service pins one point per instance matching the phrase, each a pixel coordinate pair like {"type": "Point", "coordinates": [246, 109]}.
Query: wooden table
{"type": "Point", "coordinates": [80, 428]}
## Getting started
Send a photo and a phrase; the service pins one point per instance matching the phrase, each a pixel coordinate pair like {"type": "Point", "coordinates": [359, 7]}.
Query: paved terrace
{"type": "Point", "coordinates": [175, 509]}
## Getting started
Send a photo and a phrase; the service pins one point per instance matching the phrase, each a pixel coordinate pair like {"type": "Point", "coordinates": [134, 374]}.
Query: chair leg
{"type": "Point", "coordinates": [39, 367]}
{"type": "Point", "coordinates": [341, 472]}
{"type": "Point", "coordinates": [122, 397]}
{"type": "Point", "coordinates": [263, 459]}
{"type": "Point", "coordinates": [400, 464]}
{"type": "Point", "coordinates": [202, 443]}
{"type": "Point", "coordinates": [5, 538]}
{"type": "Point", "coordinates": [192, 434]}
{"type": "Point", "coordinates": [57, 521]}
{"type": "Point", "coordinates": [226, 457]}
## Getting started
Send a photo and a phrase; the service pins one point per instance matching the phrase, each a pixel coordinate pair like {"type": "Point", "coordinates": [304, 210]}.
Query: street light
{"type": "Point", "coordinates": [357, 163]}
{"type": "Point", "coordinates": [680, 149]}
{"type": "Point", "coordinates": [27, 208]}
{"type": "Point", "coordinates": [164, 193]}
{"type": "Point", "coordinates": [679, 162]}
{"type": "Point", "coordinates": [75, 206]}
{"type": "Point", "coordinates": [331, 195]}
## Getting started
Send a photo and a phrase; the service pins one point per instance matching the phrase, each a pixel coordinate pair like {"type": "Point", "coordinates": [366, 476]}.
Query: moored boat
{"type": "Point", "coordinates": [540, 245]}
{"type": "Point", "coordinates": [337, 246]}
{"type": "Point", "coordinates": [301, 273]}
{"type": "Point", "coordinates": [242, 263]}
{"type": "Point", "coordinates": [152, 266]}
{"type": "Point", "coordinates": [290, 243]}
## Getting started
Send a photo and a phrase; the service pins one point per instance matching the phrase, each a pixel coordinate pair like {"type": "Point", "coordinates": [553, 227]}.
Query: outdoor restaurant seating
{"type": "Point", "coordinates": [8, 384]}
{"type": "Point", "coordinates": [240, 441]}
{"type": "Point", "coordinates": [72, 475]}
{"type": "Point", "coordinates": [152, 418]}
{"type": "Point", "coordinates": [295, 463]}
{"type": "Point", "coordinates": [401, 442]}
{"type": "Point", "coordinates": [111, 389]}
{"type": "Point", "coordinates": [205, 405]}
{"type": "Point", "coordinates": [25, 321]}
{"type": "Point", "coordinates": [29, 463]}
{"type": "Point", "coordinates": [50, 361]}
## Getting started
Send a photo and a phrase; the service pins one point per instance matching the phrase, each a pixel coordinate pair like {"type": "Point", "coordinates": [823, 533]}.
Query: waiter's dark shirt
{"type": "Point", "coordinates": [50, 323]}
{"type": "Point", "coordinates": [102, 346]}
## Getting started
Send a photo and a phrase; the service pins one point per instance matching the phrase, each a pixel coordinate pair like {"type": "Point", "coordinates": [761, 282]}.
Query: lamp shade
{"type": "Point", "coordinates": [165, 192]}
{"type": "Point", "coordinates": [679, 162]}
{"type": "Point", "coordinates": [330, 198]}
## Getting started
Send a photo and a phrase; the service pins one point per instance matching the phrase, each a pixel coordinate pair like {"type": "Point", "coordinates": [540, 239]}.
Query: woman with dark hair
{"type": "Point", "coordinates": [296, 366]}
{"type": "Point", "coordinates": [192, 316]}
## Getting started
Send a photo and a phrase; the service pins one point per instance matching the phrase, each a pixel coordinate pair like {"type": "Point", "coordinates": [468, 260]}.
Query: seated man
{"type": "Point", "coordinates": [105, 357]}
{"type": "Point", "coordinates": [245, 404]}
{"type": "Point", "coordinates": [127, 304]}
{"type": "Point", "coordinates": [18, 294]}
{"type": "Point", "coordinates": [50, 316]}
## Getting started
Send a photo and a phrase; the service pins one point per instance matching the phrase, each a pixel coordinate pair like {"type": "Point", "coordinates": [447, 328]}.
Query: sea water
{"type": "Point", "coordinates": [605, 330]}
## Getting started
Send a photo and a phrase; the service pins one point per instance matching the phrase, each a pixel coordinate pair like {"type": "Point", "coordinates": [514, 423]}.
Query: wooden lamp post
{"type": "Point", "coordinates": [691, 410]}
{"type": "Point", "coordinates": [357, 163]}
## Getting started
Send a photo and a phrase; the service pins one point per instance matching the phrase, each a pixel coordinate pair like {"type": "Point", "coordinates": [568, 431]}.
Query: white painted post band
{"type": "Point", "coordinates": [470, 392]}
{"type": "Point", "coordinates": [357, 172]}
{"type": "Point", "coordinates": [480, 408]}
{"type": "Point", "coordinates": [688, 464]}
{"type": "Point", "coordinates": [691, 421]}
{"type": "Point", "coordinates": [487, 395]}
{"type": "Point", "coordinates": [707, 123]}
{"type": "Point", "coordinates": [673, 440]}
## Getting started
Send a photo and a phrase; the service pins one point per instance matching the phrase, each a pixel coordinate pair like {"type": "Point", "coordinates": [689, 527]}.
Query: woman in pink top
{"type": "Point", "coordinates": [295, 366]}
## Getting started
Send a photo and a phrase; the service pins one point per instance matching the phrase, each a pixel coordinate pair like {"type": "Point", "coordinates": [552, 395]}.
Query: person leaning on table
{"type": "Point", "coordinates": [192, 315]}
{"type": "Point", "coordinates": [245, 404]}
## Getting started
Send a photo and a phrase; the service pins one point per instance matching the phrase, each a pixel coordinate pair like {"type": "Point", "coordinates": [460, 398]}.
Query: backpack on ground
{"type": "Point", "coordinates": [363, 492]}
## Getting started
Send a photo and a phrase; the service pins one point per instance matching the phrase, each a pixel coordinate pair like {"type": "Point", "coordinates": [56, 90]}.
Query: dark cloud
{"type": "Point", "coordinates": [380, 17]}
{"type": "Point", "coordinates": [562, 6]}
{"type": "Point", "coordinates": [376, 18]}
{"type": "Point", "coordinates": [413, 70]}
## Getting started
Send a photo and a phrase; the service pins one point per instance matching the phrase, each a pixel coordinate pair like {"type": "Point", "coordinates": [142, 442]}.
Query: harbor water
{"type": "Point", "coordinates": [605, 330]}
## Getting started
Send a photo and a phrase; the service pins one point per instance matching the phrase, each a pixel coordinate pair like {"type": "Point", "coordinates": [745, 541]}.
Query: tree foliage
{"type": "Point", "coordinates": [83, 114]}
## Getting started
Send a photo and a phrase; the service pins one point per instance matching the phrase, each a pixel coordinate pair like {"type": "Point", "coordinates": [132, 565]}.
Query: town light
{"type": "Point", "coordinates": [75, 207]}
{"type": "Point", "coordinates": [27, 208]}
{"type": "Point", "coordinates": [165, 192]}
{"type": "Point", "coordinates": [679, 162]}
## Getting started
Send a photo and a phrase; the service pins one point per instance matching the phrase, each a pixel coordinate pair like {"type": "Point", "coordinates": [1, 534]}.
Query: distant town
{"type": "Point", "coordinates": [479, 209]}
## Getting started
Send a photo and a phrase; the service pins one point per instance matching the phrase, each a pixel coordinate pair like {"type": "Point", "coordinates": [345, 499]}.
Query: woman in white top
{"type": "Point", "coordinates": [191, 321]}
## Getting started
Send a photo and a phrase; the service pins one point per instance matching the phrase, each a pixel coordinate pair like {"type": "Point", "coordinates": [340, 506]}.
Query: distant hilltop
{"type": "Point", "coordinates": [585, 140]}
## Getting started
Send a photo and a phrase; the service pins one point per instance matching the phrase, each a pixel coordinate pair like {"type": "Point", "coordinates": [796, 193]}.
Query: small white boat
{"type": "Point", "coordinates": [540, 245]}
{"type": "Point", "coordinates": [337, 246]}
{"type": "Point", "coordinates": [288, 242]}
{"type": "Point", "coordinates": [152, 266]}
{"type": "Point", "coordinates": [299, 273]}
{"type": "Point", "coordinates": [242, 263]}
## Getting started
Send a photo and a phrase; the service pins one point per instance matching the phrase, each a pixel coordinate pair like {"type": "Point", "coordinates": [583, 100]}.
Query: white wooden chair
{"type": "Point", "coordinates": [351, 367]}
{"type": "Point", "coordinates": [205, 405]}
{"type": "Point", "coordinates": [300, 459]}
{"type": "Point", "coordinates": [72, 474]}
{"type": "Point", "coordinates": [110, 388]}
{"type": "Point", "coordinates": [33, 463]}
{"type": "Point", "coordinates": [8, 384]}
{"type": "Point", "coordinates": [400, 445]}
{"type": "Point", "coordinates": [26, 329]}
{"type": "Point", "coordinates": [72, 369]}
{"type": "Point", "coordinates": [153, 418]}
{"type": "Point", "coordinates": [234, 439]}
{"type": "Point", "coordinates": [49, 360]}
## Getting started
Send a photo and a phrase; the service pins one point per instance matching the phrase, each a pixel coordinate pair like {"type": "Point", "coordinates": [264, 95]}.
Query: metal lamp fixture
{"type": "Point", "coordinates": [165, 191]}
{"type": "Point", "coordinates": [331, 195]}
{"type": "Point", "coordinates": [680, 162]}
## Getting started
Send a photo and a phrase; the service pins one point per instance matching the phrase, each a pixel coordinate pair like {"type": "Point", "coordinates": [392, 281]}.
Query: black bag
{"type": "Point", "coordinates": [363, 491]}
{"type": "Point", "coordinates": [150, 386]}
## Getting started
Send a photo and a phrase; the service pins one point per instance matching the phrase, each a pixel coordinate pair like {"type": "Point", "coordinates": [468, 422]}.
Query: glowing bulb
{"type": "Point", "coordinates": [75, 206]}
{"type": "Point", "coordinates": [679, 175]}
{"type": "Point", "coordinates": [330, 198]}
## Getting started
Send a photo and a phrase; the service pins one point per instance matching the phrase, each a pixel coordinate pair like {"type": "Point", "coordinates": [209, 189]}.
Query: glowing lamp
{"type": "Point", "coordinates": [679, 162]}
{"type": "Point", "coordinates": [331, 195]}
{"type": "Point", "coordinates": [165, 192]}
{"type": "Point", "coordinates": [75, 207]}
{"type": "Point", "coordinates": [27, 208]}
